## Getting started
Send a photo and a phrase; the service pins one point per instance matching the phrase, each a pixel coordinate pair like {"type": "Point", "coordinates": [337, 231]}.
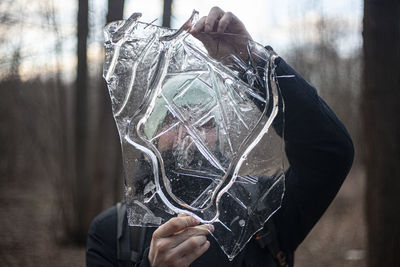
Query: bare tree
{"type": "Point", "coordinates": [167, 12]}
{"type": "Point", "coordinates": [107, 168]}
{"type": "Point", "coordinates": [115, 10]}
{"type": "Point", "coordinates": [97, 154]}
{"type": "Point", "coordinates": [381, 122]}
{"type": "Point", "coordinates": [81, 128]}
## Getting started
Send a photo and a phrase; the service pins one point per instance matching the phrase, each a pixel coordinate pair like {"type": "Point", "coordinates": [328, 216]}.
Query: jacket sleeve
{"type": "Point", "coordinates": [145, 259]}
{"type": "Point", "coordinates": [320, 152]}
{"type": "Point", "coordinates": [101, 246]}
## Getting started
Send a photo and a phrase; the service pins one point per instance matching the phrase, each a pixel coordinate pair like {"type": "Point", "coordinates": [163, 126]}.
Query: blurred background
{"type": "Point", "coordinates": [60, 160]}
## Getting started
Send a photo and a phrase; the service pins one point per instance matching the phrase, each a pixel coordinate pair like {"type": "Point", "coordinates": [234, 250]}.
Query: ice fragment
{"type": "Point", "coordinates": [201, 132]}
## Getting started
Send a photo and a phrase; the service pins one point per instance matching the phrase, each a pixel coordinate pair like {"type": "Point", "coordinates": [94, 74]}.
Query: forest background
{"type": "Point", "coordinates": [60, 159]}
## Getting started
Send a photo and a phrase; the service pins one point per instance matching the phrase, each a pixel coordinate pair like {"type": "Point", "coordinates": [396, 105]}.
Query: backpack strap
{"type": "Point", "coordinates": [129, 239]}
{"type": "Point", "coordinates": [268, 237]}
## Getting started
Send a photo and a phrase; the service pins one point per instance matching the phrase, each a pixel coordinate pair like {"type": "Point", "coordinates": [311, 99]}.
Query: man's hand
{"type": "Point", "coordinates": [222, 33]}
{"type": "Point", "coordinates": [179, 242]}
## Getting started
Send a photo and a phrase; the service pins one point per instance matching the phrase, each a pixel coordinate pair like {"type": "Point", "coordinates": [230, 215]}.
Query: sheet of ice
{"type": "Point", "coordinates": [198, 128]}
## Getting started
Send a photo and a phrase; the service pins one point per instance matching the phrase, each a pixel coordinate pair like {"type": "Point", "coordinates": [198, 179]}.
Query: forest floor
{"type": "Point", "coordinates": [27, 234]}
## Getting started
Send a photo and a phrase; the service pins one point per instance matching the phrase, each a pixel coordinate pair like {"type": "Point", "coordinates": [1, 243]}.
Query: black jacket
{"type": "Point", "coordinates": [320, 152]}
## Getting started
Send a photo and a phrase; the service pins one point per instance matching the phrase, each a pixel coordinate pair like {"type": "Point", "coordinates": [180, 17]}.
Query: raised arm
{"type": "Point", "coordinates": [319, 148]}
{"type": "Point", "coordinates": [320, 152]}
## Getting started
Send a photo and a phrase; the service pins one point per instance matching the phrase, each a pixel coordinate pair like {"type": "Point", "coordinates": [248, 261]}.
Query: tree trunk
{"type": "Point", "coordinates": [81, 122]}
{"type": "Point", "coordinates": [108, 165]}
{"type": "Point", "coordinates": [97, 153]}
{"type": "Point", "coordinates": [115, 10]}
{"type": "Point", "coordinates": [167, 13]}
{"type": "Point", "coordinates": [381, 123]}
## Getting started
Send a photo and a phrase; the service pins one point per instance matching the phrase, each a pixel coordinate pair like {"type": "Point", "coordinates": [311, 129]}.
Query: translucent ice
{"type": "Point", "coordinates": [201, 129]}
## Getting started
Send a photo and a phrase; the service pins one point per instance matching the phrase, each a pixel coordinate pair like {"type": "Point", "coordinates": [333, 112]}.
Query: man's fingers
{"type": "Point", "coordinates": [174, 225]}
{"type": "Point", "coordinates": [224, 22]}
{"type": "Point", "coordinates": [193, 248]}
{"type": "Point", "coordinates": [191, 257]}
{"type": "Point", "coordinates": [200, 230]}
{"type": "Point", "coordinates": [215, 14]}
{"type": "Point", "coordinates": [190, 245]}
{"type": "Point", "coordinates": [187, 252]}
{"type": "Point", "coordinates": [203, 229]}
{"type": "Point", "coordinates": [199, 26]}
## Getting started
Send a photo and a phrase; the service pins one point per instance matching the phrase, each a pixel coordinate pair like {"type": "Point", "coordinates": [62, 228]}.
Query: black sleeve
{"type": "Point", "coordinates": [101, 246]}
{"type": "Point", "coordinates": [320, 153]}
{"type": "Point", "coordinates": [145, 259]}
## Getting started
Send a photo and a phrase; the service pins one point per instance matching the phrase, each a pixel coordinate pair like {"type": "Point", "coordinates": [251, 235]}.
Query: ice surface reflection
{"type": "Point", "coordinates": [199, 131]}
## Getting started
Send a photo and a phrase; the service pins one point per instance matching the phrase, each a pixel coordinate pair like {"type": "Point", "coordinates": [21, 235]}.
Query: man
{"type": "Point", "coordinates": [320, 153]}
